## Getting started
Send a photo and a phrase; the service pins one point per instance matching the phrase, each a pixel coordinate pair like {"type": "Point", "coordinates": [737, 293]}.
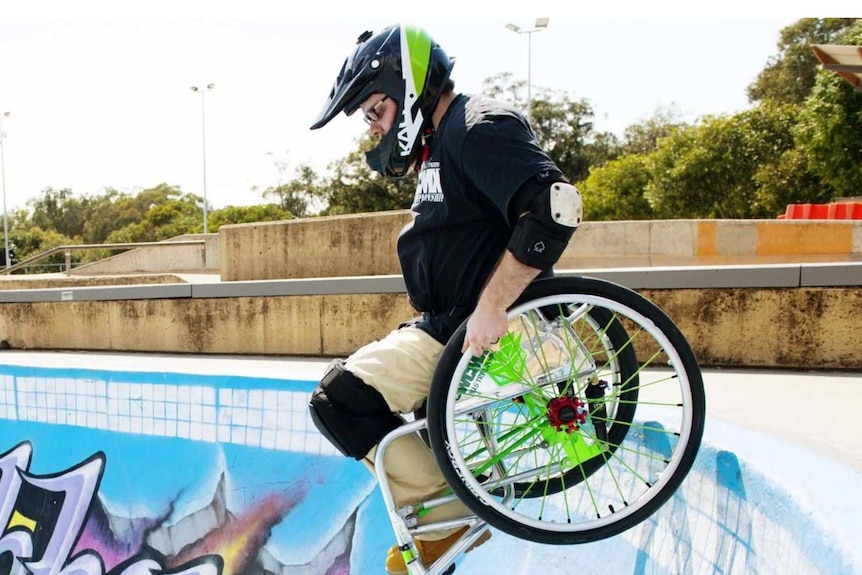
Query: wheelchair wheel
{"type": "Point", "coordinates": [581, 424]}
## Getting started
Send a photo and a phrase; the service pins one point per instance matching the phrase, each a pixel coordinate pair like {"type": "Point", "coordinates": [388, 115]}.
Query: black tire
{"type": "Point", "coordinates": [549, 437]}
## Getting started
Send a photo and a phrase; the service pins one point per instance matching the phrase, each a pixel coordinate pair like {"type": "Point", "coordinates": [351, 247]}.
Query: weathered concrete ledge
{"type": "Point", "coordinates": [364, 244]}
{"type": "Point", "coordinates": [803, 316]}
{"type": "Point", "coordinates": [60, 280]}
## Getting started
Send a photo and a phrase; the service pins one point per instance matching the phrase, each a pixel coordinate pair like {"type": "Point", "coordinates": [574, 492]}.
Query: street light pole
{"type": "Point", "coordinates": [541, 24]}
{"type": "Point", "coordinates": [202, 92]}
{"type": "Point", "coordinates": [3, 185]}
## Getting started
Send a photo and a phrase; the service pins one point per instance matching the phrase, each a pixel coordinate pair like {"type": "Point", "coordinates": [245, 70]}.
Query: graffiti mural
{"type": "Point", "coordinates": [56, 525]}
{"type": "Point", "coordinates": [169, 475]}
{"type": "Point", "coordinates": [45, 516]}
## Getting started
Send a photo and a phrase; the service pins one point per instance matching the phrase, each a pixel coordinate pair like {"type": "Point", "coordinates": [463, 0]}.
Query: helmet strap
{"type": "Point", "coordinates": [427, 138]}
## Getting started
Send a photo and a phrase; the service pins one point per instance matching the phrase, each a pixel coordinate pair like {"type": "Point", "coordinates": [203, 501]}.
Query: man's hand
{"type": "Point", "coordinates": [485, 328]}
{"type": "Point", "coordinates": [489, 321]}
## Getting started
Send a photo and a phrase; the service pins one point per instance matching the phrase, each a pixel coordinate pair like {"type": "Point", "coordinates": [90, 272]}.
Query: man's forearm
{"type": "Point", "coordinates": [509, 280]}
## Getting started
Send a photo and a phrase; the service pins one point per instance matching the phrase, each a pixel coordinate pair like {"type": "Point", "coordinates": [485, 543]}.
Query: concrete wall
{"type": "Point", "coordinates": [365, 245]}
{"type": "Point", "coordinates": [753, 322]}
{"type": "Point", "coordinates": [353, 245]}
{"type": "Point", "coordinates": [174, 259]}
{"type": "Point", "coordinates": [47, 281]}
{"type": "Point", "coordinates": [712, 242]}
{"type": "Point", "coordinates": [289, 325]}
{"type": "Point", "coordinates": [807, 327]}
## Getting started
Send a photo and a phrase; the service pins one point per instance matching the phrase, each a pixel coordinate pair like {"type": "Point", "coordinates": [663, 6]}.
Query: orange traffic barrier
{"type": "Point", "coordinates": [834, 211]}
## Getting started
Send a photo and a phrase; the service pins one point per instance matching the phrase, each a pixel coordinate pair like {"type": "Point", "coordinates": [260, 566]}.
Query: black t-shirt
{"type": "Point", "coordinates": [480, 155]}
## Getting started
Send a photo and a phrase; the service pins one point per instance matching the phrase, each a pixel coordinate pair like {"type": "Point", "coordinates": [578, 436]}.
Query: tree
{"type": "Point", "coordinates": [505, 88]}
{"type": "Point", "coordinates": [58, 210]}
{"type": "Point", "coordinates": [114, 210]}
{"type": "Point", "coordinates": [154, 214]}
{"type": "Point", "coordinates": [615, 191]}
{"type": "Point", "coordinates": [789, 181]}
{"type": "Point", "coordinates": [354, 188]}
{"type": "Point", "coordinates": [34, 240]}
{"type": "Point", "coordinates": [248, 214]}
{"type": "Point", "coordinates": [298, 195]}
{"type": "Point", "coordinates": [710, 170]}
{"type": "Point", "coordinates": [301, 195]}
{"type": "Point", "coordinates": [161, 221]}
{"type": "Point", "coordinates": [563, 126]}
{"type": "Point", "coordinates": [602, 148]}
{"type": "Point", "coordinates": [643, 137]}
{"type": "Point", "coordinates": [829, 132]}
{"type": "Point", "coordinates": [789, 76]}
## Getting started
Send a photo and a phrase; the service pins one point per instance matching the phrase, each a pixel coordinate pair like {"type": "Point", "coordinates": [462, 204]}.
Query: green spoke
{"type": "Point", "coordinates": [645, 454]}
{"type": "Point", "coordinates": [653, 403]}
{"type": "Point", "coordinates": [541, 347]}
{"type": "Point", "coordinates": [585, 479]}
{"type": "Point", "coordinates": [613, 476]}
{"type": "Point", "coordinates": [634, 472]}
{"type": "Point", "coordinates": [500, 455]}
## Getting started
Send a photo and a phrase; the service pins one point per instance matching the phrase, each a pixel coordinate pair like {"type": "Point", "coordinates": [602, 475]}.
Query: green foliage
{"type": "Point", "coordinates": [615, 191]}
{"type": "Point", "coordinates": [59, 210]}
{"type": "Point", "coordinates": [354, 188]}
{"type": "Point", "coordinates": [34, 240]}
{"type": "Point", "coordinates": [709, 170]}
{"type": "Point", "coordinates": [789, 77]}
{"type": "Point", "coordinates": [112, 211]}
{"type": "Point", "coordinates": [643, 137]}
{"type": "Point", "coordinates": [247, 215]}
{"type": "Point", "coordinates": [617, 184]}
{"type": "Point", "coordinates": [161, 221]}
{"type": "Point", "coordinates": [788, 181]}
{"type": "Point", "coordinates": [298, 196]}
{"type": "Point", "coordinates": [505, 88]}
{"type": "Point", "coordinates": [563, 126]}
{"type": "Point", "coordinates": [829, 132]}
{"type": "Point", "coordinates": [602, 148]}
{"type": "Point", "coordinates": [60, 218]}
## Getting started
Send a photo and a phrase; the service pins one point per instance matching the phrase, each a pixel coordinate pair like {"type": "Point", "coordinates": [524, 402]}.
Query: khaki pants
{"type": "Point", "coordinates": [400, 366]}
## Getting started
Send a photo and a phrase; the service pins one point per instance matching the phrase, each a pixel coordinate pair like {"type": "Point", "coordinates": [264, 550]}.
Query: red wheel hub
{"type": "Point", "coordinates": [565, 413]}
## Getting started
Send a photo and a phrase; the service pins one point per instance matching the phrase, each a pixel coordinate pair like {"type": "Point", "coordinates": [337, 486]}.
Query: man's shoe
{"type": "Point", "coordinates": [429, 551]}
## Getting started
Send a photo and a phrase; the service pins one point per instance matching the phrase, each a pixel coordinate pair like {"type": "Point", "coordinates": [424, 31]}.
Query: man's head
{"type": "Point", "coordinates": [396, 78]}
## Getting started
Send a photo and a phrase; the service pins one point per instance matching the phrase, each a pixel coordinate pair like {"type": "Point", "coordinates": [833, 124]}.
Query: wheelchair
{"type": "Point", "coordinates": [581, 422]}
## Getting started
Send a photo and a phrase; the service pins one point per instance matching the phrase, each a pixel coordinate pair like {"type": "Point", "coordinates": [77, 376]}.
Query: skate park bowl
{"type": "Point", "coordinates": [115, 463]}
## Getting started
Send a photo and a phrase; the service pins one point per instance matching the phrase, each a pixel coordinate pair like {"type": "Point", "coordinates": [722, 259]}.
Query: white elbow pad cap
{"type": "Point", "coordinates": [567, 207]}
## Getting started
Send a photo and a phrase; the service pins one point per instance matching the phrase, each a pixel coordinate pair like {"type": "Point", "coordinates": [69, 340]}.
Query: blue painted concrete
{"type": "Point", "coordinates": [205, 462]}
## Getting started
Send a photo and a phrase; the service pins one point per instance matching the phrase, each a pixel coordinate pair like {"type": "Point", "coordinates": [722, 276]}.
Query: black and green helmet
{"type": "Point", "coordinates": [407, 65]}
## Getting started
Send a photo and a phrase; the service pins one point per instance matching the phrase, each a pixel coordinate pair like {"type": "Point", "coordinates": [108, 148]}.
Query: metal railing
{"type": "Point", "coordinates": [67, 250]}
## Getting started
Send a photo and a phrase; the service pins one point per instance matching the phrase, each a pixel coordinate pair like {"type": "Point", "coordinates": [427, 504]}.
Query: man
{"type": "Point", "coordinates": [491, 213]}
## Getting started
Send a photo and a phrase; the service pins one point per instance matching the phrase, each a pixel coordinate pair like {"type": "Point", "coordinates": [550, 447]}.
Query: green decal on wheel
{"type": "Point", "coordinates": [507, 364]}
{"type": "Point", "coordinates": [503, 366]}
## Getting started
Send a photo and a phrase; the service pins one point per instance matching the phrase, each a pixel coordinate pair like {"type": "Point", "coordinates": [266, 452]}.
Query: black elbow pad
{"type": "Point", "coordinates": [542, 234]}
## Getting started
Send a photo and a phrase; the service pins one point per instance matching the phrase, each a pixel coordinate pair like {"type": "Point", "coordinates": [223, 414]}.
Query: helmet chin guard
{"type": "Point", "coordinates": [378, 158]}
{"type": "Point", "coordinates": [407, 65]}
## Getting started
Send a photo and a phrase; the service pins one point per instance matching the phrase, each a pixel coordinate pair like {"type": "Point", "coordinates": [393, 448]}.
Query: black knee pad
{"type": "Point", "coordinates": [351, 414]}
